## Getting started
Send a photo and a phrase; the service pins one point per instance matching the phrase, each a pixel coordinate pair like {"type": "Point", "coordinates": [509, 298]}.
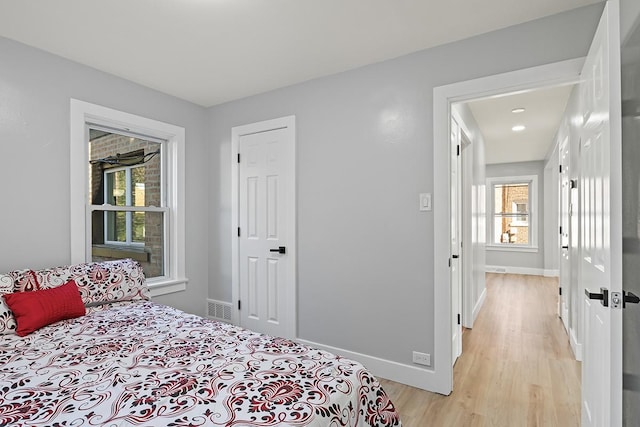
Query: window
{"type": "Point", "coordinates": [127, 191]}
{"type": "Point", "coordinates": [125, 187]}
{"type": "Point", "coordinates": [126, 197]}
{"type": "Point", "coordinates": [512, 212]}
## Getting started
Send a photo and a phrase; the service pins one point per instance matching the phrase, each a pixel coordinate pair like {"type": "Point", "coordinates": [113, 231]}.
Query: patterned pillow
{"type": "Point", "coordinates": [99, 282]}
{"type": "Point", "coordinates": [7, 321]}
{"type": "Point", "coordinates": [24, 280]}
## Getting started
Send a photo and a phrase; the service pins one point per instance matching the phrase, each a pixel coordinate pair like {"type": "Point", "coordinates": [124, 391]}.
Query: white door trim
{"type": "Point", "coordinates": [288, 123]}
{"type": "Point", "coordinates": [558, 73]}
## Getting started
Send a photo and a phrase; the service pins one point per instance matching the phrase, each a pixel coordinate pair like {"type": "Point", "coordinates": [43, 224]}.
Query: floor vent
{"type": "Point", "coordinates": [219, 310]}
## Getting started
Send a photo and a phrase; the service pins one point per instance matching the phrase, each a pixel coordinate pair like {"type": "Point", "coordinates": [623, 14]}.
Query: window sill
{"type": "Point", "coordinates": [511, 248]}
{"type": "Point", "coordinates": [120, 252]}
{"type": "Point", "coordinates": [166, 286]}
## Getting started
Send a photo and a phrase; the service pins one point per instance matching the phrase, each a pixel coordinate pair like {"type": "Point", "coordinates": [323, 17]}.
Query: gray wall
{"type": "Point", "coordinates": [365, 272]}
{"type": "Point", "coordinates": [35, 88]}
{"type": "Point", "coordinates": [507, 257]}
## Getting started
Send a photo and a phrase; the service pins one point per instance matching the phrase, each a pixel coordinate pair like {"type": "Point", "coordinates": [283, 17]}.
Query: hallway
{"type": "Point", "coordinates": [517, 368]}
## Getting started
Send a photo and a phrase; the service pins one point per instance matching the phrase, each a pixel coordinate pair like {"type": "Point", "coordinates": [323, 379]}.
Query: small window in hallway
{"type": "Point", "coordinates": [512, 207]}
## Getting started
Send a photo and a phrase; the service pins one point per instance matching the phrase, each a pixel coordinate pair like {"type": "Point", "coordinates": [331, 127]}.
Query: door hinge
{"type": "Point", "coordinates": [449, 262]}
{"type": "Point", "coordinates": [561, 230]}
{"type": "Point", "coordinates": [458, 318]}
{"type": "Point", "coordinates": [458, 150]}
{"type": "Point", "coordinates": [560, 168]}
{"type": "Point", "coordinates": [238, 231]}
{"type": "Point", "coordinates": [238, 157]}
{"type": "Point", "coordinates": [560, 290]}
{"type": "Point", "coordinates": [238, 304]}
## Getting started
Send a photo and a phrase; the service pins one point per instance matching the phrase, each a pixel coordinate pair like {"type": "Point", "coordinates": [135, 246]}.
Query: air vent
{"type": "Point", "coordinates": [219, 310]}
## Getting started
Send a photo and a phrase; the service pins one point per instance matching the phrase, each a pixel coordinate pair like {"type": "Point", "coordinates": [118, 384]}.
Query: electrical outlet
{"type": "Point", "coordinates": [421, 358]}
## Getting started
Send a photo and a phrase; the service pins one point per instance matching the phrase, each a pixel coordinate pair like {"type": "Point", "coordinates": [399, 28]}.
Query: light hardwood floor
{"type": "Point", "coordinates": [516, 369]}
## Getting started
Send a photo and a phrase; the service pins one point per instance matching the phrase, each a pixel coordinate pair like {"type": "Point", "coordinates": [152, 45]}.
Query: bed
{"type": "Point", "coordinates": [131, 362]}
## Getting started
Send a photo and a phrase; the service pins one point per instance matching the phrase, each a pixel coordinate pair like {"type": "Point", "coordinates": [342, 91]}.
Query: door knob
{"type": "Point", "coordinates": [629, 297]}
{"type": "Point", "coordinates": [280, 250]}
{"type": "Point", "coordinates": [565, 247]}
{"type": "Point", "coordinates": [603, 296]}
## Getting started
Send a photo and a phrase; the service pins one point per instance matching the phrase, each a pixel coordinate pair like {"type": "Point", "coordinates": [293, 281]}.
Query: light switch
{"type": "Point", "coordinates": [425, 201]}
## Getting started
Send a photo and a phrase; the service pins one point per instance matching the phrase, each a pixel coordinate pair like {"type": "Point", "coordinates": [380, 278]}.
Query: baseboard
{"type": "Point", "coordinates": [575, 346]}
{"type": "Point", "coordinates": [551, 273]}
{"type": "Point", "coordinates": [514, 270]}
{"type": "Point", "coordinates": [394, 371]}
{"type": "Point", "coordinates": [478, 306]}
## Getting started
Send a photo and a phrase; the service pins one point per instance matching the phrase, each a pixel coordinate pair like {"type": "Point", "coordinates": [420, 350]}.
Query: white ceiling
{"type": "Point", "coordinates": [544, 109]}
{"type": "Point", "coordinates": [213, 51]}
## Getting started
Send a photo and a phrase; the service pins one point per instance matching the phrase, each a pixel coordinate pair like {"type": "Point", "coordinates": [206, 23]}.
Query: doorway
{"type": "Point", "coordinates": [445, 97]}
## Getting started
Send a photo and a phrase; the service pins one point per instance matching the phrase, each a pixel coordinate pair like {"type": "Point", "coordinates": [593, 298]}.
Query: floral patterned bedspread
{"type": "Point", "coordinates": [145, 364]}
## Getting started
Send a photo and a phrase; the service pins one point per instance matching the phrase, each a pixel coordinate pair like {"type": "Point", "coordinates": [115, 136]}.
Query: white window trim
{"type": "Point", "coordinates": [532, 180]}
{"type": "Point", "coordinates": [83, 113]}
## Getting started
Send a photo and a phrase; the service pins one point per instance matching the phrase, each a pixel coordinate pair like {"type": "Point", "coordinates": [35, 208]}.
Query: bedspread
{"type": "Point", "coordinates": [145, 364]}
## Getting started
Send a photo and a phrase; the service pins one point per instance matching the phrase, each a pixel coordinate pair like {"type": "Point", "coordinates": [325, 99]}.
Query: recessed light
{"type": "Point", "coordinates": [518, 128]}
{"type": "Point", "coordinates": [518, 110]}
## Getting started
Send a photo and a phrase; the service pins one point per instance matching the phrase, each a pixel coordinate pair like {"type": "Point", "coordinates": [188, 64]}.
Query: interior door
{"type": "Point", "coordinates": [601, 228]}
{"type": "Point", "coordinates": [266, 228]}
{"type": "Point", "coordinates": [631, 211]}
{"type": "Point", "coordinates": [565, 227]}
{"type": "Point", "coordinates": [456, 219]}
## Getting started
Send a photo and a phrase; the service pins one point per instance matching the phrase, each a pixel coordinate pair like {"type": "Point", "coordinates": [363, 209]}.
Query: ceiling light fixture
{"type": "Point", "coordinates": [518, 128]}
{"type": "Point", "coordinates": [518, 110]}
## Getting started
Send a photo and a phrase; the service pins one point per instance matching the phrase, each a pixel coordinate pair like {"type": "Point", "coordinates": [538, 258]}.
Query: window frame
{"type": "Point", "coordinates": [84, 115]}
{"type": "Point", "coordinates": [128, 170]}
{"type": "Point", "coordinates": [532, 181]}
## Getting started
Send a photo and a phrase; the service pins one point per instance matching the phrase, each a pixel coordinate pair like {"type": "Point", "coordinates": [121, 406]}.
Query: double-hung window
{"type": "Point", "coordinates": [125, 186]}
{"type": "Point", "coordinates": [127, 193]}
{"type": "Point", "coordinates": [512, 212]}
{"type": "Point", "coordinates": [127, 198]}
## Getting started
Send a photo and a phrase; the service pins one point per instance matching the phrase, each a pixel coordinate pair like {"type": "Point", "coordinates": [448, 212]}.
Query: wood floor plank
{"type": "Point", "coordinates": [517, 368]}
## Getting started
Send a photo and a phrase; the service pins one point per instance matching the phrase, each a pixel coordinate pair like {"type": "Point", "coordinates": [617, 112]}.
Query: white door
{"type": "Point", "coordinates": [565, 228]}
{"type": "Point", "coordinates": [601, 228]}
{"type": "Point", "coordinates": [265, 265]}
{"type": "Point", "coordinates": [456, 293]}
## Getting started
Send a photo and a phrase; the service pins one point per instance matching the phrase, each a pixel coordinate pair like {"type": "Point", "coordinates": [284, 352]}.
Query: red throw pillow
{"type": "Point", "coordinates": [35, 309]}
